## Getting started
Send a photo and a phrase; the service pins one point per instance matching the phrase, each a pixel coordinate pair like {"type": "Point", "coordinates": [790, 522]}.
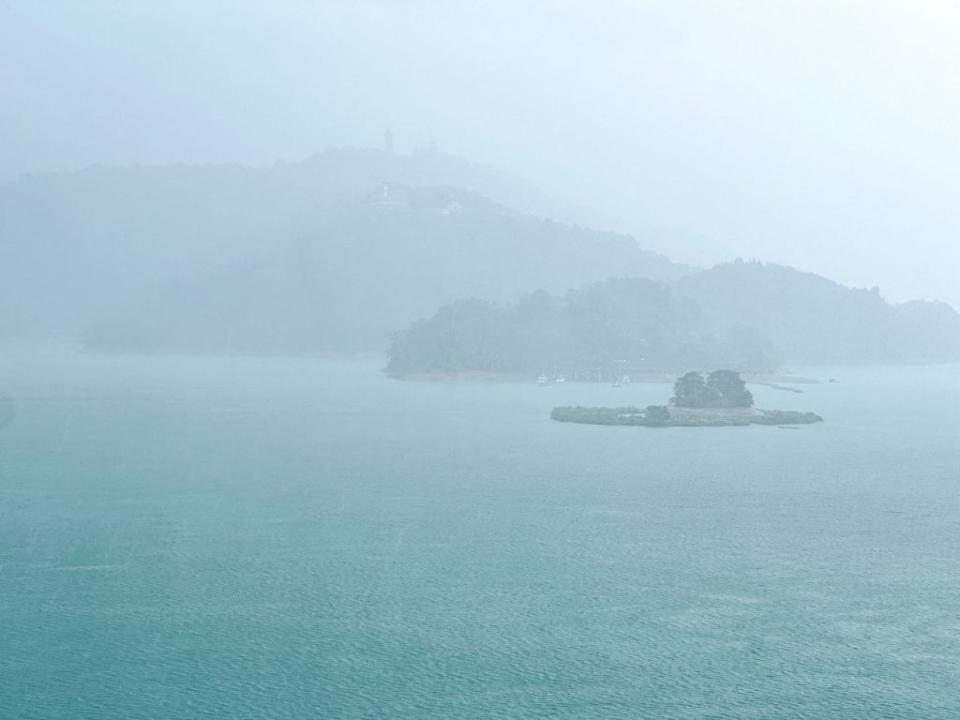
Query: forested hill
{"type": "Point", "coordinates": [746, 316]}
{"type": "Point", "coordinates": [92, 250]}
{"type": "Point", "coordinates": [350, 275]}
{"type": "Point", "coordinates": [598, 331]}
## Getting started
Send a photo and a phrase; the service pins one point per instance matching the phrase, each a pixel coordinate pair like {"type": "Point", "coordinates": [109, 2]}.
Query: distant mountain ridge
{"type": "Point", "coordinates": [344, 250]}
{"type": "Point", "coordinates": [83, 251]}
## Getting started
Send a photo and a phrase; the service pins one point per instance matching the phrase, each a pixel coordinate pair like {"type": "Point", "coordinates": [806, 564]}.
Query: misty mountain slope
{"type": "Point", "coordinates": [926, 331]}
{"type": "Point", "coordinates": [811, 319]}
{"type": "Point", "coordinates": [814, 320]}
{"type": "Point", "coordinates": [747, 316]}
{"type": "Point", "coordinates": [75, 246]}
{"type": "Point", "coordinates": [351, 274]}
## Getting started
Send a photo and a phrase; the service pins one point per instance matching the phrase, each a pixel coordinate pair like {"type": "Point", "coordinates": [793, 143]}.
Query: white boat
{"type": "Point", "coordinates": [542, 380]}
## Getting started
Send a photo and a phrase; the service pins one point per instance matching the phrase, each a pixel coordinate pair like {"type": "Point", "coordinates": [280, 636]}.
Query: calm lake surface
{"type": "Point", "coordinates": [186, 538]}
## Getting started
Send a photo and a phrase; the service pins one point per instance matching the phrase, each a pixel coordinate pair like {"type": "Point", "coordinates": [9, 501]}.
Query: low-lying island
{"type": "Point", "coordinates": [662, 416]}
{"type": "Point", "coordinates": [718, 400]}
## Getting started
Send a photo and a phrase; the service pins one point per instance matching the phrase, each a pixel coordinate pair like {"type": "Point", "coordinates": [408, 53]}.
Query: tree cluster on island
{"type": "Point", "coordinates": [720, 389]}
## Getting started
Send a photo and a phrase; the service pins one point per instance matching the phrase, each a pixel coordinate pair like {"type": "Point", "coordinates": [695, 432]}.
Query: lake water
{"type": "Point", "coordinates": [273, 538]}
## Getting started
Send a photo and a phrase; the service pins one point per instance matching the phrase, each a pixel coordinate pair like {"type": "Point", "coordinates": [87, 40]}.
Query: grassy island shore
{"type": "Point", "coordinates": [660, 416]}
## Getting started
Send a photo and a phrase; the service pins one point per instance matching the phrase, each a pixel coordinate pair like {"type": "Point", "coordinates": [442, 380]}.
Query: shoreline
{"type": "Point", "coordinates": [683, 417]}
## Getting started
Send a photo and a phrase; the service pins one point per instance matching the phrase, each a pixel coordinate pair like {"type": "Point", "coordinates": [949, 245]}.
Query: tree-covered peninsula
{"type": "Point", "coordinates": [751, 317]}
{"type": "Point", "coordinates": [598, 332]}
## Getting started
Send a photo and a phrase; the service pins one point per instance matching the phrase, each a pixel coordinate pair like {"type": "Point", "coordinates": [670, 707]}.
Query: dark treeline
{"type": "Point", "coordinates": [719, 389]}
{"type": "Point", "coordinates": [600, 331]}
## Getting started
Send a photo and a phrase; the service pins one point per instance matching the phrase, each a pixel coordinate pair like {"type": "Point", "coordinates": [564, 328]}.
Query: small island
{"type": "Point", "coordinates": [720, 399]}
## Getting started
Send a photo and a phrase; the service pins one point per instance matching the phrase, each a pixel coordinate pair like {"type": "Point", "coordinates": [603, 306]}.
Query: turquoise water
{"type": "Point", "coordinates": [271, 538]}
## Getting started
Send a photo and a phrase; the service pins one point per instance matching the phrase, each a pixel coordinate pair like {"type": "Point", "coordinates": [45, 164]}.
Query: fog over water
{"type": "Point", "coordinates": [473, 360]}
{"type": "Point", "coordinates": [815, 134]}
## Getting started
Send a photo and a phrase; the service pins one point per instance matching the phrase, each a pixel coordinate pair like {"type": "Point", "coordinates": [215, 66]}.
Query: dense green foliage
{"type": "Point", "coordinates": [691, 390]}
{"type": "Point", "coordinates": [600, 331]}
{"type": "Point", "coordinates": [721, 389]}
{"type": "Point", "coordinates": [786, 417]}
{"type": "Point", "coordinates": [657, 415]}
{"type": "Point", "coordinates": [731, 388]}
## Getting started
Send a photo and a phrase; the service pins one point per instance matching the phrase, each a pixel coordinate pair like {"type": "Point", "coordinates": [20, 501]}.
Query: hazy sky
{"type": "Point", "coordinates": [820, 134]}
